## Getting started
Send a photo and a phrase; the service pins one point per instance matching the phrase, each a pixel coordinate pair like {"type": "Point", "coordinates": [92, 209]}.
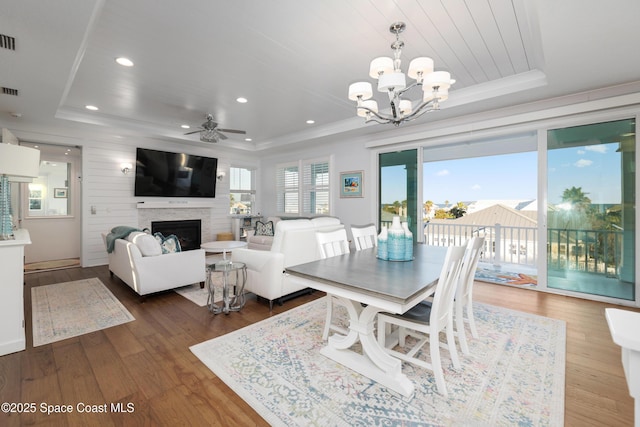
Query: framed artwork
{"type": "Point", "coordinates": [351, 184]}
{"type": "Point", "coordinates": [60, 193]}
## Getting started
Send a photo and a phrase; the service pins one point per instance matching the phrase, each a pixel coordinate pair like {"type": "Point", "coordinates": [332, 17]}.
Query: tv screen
{"type": "Point", "coordinates": [164, 174]}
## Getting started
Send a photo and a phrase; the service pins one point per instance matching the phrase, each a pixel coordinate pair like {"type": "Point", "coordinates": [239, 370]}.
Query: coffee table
{"type": "Point", "coordinates": [223, 246]}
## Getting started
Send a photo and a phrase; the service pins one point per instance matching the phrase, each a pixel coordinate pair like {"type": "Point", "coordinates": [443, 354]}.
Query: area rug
{"type": "Point", "coordinates": [514, 375]}
{"type": "Point", "coordinates": [198, 295]}
{"type": "Point", "coordinates": [70, 309]}
{"type": "Point", "coordinates": [51, 265]}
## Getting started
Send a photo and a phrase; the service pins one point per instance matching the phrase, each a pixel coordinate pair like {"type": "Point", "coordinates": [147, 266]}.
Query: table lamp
{"type": "Point", "coordinates": [16, 163]}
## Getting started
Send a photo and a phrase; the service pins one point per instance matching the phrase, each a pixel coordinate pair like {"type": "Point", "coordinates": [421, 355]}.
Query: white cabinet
{"type": "Point", "coordinates": [12, 337]}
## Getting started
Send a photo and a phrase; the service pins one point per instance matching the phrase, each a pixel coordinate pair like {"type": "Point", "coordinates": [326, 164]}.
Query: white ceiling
{"type": "Point", "coordinates": [293, 60]}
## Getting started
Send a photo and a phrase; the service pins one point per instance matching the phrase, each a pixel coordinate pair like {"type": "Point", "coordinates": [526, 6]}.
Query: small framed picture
{"type": "Point", "coordinates": [351, 184]}
{"type": "Point", "coordinates": [60, 193]}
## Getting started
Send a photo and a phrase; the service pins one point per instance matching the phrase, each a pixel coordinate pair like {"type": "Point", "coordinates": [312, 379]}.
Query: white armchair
{"type": "Point", "coordinates": [294, 243]}
{"type": "Point", "coordinates": [149, 274]}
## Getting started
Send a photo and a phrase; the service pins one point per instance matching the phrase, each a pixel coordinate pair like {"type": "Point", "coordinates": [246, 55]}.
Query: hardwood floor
{"type": "Point", "coordinates": [147, 368]}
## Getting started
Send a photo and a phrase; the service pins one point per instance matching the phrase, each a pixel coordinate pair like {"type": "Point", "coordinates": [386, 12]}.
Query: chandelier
{"type": "Point", "coordinates": [435, 86]}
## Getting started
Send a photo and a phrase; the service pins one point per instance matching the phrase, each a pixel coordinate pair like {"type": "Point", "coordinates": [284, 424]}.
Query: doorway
{"type": "Point", "coordinates": [49, 208]}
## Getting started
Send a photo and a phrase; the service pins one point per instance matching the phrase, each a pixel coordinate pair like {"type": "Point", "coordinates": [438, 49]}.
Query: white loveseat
{"type": "Point", "coordinates": [155, 273]}
{"type": "Point", "coordinates": [294, 243]}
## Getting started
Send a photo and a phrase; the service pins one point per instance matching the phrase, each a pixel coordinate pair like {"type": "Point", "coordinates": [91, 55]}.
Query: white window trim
{"type": "Point", "coordinates": [302, 190]}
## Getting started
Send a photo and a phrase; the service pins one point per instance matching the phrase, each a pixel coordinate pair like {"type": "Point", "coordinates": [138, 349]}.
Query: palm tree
{"type": "Point", "coordinates": [576, 198]}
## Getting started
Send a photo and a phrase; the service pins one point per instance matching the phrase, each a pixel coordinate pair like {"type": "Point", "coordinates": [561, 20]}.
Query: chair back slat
{"type": "Point", "coordinates": [364, 236]}
{"type": "Point", "coordinates": [446, 287]}
{"type": "Point", "coordinates": [332, 243]}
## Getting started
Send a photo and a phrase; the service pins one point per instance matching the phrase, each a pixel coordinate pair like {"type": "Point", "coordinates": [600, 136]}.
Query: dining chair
{"type": "Point", "coordinates": [426, 320]}
{"type": "Point", "coordinates": [364, 236]}
{"type": "Point", "coordinates": [330, 244]}
{"type": "Point", "coordinates": [464, 293]}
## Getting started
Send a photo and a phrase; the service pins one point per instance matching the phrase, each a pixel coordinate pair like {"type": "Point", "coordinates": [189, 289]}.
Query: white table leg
{"type": "Point", "coordinates": [374, 363]}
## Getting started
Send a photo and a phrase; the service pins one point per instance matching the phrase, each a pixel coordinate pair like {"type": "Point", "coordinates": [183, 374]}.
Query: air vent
{"type": "Point", "coordinates": [9, 91]}
{"type": "Point", "coordinates": [7, 42]}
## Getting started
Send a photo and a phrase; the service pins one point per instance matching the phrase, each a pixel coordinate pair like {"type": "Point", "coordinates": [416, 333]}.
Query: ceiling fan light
{"type": "Point", "coordinates": [393, 81]}
{"type": "Point", "coordinates": [371, 104]}
{"type": "Point", "coordinates": [363, 89]}
{"type": "Point", "coordinates": [380, 65]}
{"type": "Point", "coordinates": [420, 67]}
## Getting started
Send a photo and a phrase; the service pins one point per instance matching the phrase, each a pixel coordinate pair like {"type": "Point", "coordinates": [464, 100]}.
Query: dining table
{"type": "Point", "coordinates": [367, 285]}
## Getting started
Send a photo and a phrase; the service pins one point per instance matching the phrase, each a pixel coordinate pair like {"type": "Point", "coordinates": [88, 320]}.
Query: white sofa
{"type": "Point", "coordinates": [155, 273]}
{"type": "Point", "coordinates": [294, 243]}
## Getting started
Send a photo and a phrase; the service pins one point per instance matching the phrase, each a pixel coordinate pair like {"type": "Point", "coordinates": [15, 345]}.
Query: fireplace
{"type": "Point", "coordinates": [188, 232]}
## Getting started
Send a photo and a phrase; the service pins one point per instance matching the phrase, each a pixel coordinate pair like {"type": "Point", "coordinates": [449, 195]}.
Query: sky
{"type": "Point", "coordinates": [594, 168]}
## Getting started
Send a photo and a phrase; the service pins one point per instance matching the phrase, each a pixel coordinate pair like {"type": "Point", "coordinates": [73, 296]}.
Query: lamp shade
{"type": "Point", "coordinates": [20, 161]}
{"type": "Point", "coordinates": [371, 104]}
{"type": "Point", "coordinates": [405, 106]}
{"type": "Point", "coordinates": [420, 67]}
{"type": "Point", "coordinates": [441, 79]}
{"type": "Point", "coordinates": [363, 89]}
{"type": "Point", "coordinates": [395, 81]}
{"type": "Point", "coordinates": [380, 65]}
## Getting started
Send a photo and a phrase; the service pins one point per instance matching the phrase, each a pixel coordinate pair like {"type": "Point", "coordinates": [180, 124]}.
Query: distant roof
{"type": "Point", "coordinates": [496, 214]}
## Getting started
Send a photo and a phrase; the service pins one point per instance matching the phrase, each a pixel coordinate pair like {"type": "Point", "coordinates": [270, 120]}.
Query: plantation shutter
{"type": "Point", "coordinates": [287, 188]}
{"type": "Point", "coordinates": [315, 188]}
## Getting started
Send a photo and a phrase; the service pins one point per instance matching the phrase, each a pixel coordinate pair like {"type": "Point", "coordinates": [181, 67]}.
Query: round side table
{"type": "Point", "coordinates": [229, 303]}
{"type": "Point", "coordinates": [223, 246]}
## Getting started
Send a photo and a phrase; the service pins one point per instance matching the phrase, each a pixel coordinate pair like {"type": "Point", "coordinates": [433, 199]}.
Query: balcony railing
{"type": "Point", "coordinates": [593, 251]}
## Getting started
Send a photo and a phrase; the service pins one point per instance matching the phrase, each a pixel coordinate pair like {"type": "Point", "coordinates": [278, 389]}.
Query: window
{"type": "Point", "coordinates": [242, 191]}
{"type": "Point", "coordinates": [303, 187]}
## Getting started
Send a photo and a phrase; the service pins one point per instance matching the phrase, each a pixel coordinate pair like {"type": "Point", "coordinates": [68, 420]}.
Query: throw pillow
{"type": "Point", "coordinates": [169, 244]}
{"type": "Point", "coordinates": [264, 228]}
{"type": "Point", "coordinates": [147, 244]}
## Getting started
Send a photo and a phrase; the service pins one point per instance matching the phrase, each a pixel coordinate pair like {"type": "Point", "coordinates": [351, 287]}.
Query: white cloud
{"type": "Point", "coordinates": [581, 152]}
{"type": "Point", "coordinates": [599, 148]}
{"type": "Point", "coordinates": [583, 163]}
{"type": "Point", "coordinates": [443, 172]}
{"type": "Point", "coordinates": [476, 187]}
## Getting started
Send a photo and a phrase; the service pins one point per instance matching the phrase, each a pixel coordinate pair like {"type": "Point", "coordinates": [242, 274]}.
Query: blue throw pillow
{"type": "Point", "coordinates": [169, 244]}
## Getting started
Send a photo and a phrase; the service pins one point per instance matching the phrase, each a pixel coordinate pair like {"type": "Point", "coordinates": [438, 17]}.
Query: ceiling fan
{"type": "Point", "coordinates": [209, 131]}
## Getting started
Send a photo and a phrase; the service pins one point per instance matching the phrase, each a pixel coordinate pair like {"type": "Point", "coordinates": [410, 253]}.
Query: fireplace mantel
{"type": "Point", "coordinates": [173, 204]}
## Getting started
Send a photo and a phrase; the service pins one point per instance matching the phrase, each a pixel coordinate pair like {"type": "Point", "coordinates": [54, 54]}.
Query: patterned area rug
{"type": "Point", "coordinates": [70, 309]}
{"type": "Point", "coordinates": [514, 375]}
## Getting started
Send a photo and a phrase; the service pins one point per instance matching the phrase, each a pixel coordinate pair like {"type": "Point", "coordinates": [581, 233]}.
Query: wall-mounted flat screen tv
{"type": "Point", "coordinates": [164, 174]}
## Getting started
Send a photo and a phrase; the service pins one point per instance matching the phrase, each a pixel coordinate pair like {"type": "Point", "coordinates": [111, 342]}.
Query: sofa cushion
{"type": "Point", "coordinates": [146, 243]}
{"type": "Point", "coordinates": [169, 244]}
{"type": "Point", "coordinates": [264, 228]}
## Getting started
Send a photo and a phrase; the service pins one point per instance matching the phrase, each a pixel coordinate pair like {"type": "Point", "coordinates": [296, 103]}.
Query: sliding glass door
{"type": "Point", "coordinates": [398, 186]}
{"type": "Point", "coordinates": [591, 209]}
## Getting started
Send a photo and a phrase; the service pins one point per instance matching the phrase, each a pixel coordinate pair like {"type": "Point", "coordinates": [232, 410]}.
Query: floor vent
{"type": "Point", "coordinates": [9, 91]}
{"type": "Point", "coordinates": [7, 42]}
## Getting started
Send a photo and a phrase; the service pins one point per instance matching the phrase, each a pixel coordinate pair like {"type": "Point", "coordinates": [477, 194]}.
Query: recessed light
{"type": "Point", "coordinates": [248, 139]}
{"type": "Point", "coordinates": [125, 62]}
{"type": "Point", "coordinates": [242, 100]}
{"type": "Point", "coordinates": [91, 107]}
{"type": "Point", "coordinates": [310, 122]}
{"type": "Point", "coordinates": [185, 126]}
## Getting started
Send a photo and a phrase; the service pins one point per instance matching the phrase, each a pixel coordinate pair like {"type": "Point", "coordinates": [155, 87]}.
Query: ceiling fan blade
{"type": "Point", "coordinates": [233, 131]}
{"type": "Point", "coordinates": [221, 135]}
{"type": "Point", "coordinates": [195, 131]}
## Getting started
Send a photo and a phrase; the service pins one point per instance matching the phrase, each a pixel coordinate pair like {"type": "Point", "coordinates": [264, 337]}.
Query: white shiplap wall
{"type": "Point", "coordinates": [109, 193]}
